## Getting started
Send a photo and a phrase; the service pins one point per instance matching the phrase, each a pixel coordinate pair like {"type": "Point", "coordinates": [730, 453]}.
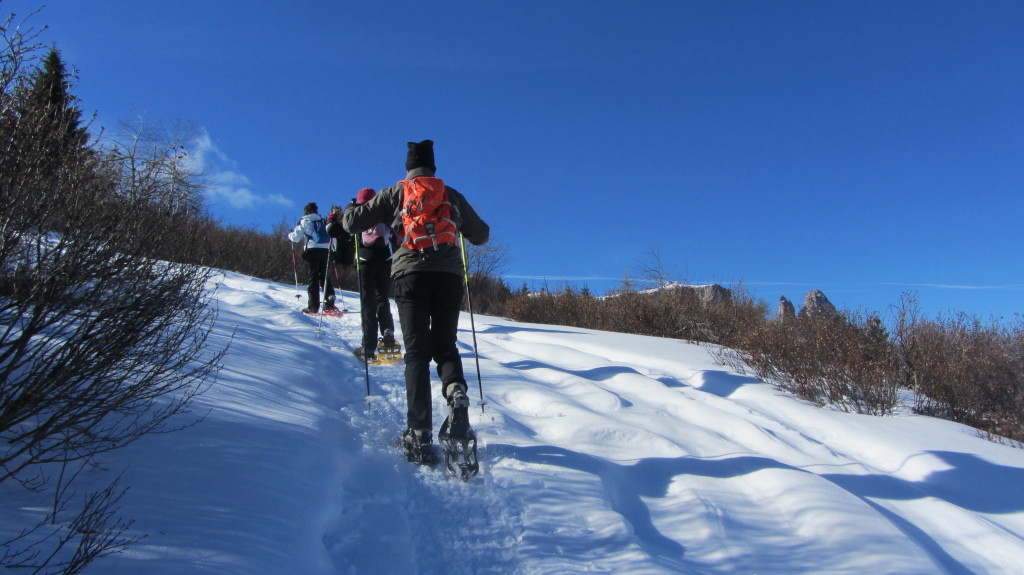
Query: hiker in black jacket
{"type": "Point", "coordinates": [428, 289]}
{"type": "Point", "coordinates": [374, 252]}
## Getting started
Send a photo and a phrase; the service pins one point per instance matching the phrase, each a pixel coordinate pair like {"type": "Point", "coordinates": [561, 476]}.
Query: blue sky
{"type": "Point", "coordinates": [864, 148]}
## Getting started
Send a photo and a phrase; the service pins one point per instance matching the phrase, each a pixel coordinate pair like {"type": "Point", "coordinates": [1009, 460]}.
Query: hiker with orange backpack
{"type": "Point", "coordinates": [427, 271]}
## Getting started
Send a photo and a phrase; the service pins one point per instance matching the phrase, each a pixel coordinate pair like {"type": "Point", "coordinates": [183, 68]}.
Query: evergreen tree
{"type": "Point", "coordinates": [43, 141]}
{"type": "Point", "coordinates": [50, 101]}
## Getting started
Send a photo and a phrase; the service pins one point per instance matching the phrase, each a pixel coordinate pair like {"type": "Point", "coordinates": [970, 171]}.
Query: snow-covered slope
{"type": "Point", "coordinates": [600, 452]}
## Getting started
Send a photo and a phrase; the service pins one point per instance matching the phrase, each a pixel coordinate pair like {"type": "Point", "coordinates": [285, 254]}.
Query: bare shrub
{"type": "Point", "coordinates": [150, 164]}
{"type": "Point", "coordinates": [569, 307]}
{"type": "Point", "coordinates": [247, 251]}
{"type": "Point", "coordinates": [679, 312]}
{"type": "Point", "coordinates": [653, 270]}
{"type": "Point", "coordinates": [101, 341]}
{"type": "Point", "coordinates": [844, 360]}
{"type": "Point", "coordinates": [490, 294]}
{"type": "Point", "coordinates": [485, 265]}
{"type": "Point", "coordinates": [488, 260]}
{"type": "Point", "coordinates": [660, 313]}
{"type": "Point", "coordinates": [524, 306]}
{"type": "Point", "coordinates": [964, 369]}
{"type": "Point", "coordinates": [731, 318]}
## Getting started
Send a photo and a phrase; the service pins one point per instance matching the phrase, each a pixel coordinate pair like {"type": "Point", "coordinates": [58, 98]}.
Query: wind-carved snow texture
{"type": "Point", "coordinates": [599, 452]}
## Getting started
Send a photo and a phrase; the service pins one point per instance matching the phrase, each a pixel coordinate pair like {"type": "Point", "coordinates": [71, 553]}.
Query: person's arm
{"type": "Point", "coordinates": [380, 209]}
{"type": "Point", "coordinates": [297, 234]}
{"type": "Point", "coordinates": [473, 227]}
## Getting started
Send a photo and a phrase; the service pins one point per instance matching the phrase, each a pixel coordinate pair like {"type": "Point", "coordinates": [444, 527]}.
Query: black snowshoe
{"type": "Point", "coordinates": [419, 447]}
{"type": "Point", "coordinates": [457, 438]}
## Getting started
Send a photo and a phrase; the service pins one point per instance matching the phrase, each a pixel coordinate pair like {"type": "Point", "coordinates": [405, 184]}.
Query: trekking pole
{"type": "Point", "coordinates": [359, 284]}
{"type": "Point", "coordinates": [298, 293]}
{"type": "Point", "coordinates": [472, 322]}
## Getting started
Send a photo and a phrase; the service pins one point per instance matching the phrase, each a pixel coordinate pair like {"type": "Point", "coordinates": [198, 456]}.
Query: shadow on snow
{"type": "Point", "coordinates": [971, 483]}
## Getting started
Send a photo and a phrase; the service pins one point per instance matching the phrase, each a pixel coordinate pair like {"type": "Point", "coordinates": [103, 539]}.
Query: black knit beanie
{"type": "Point", "coordinates": [421, 155]}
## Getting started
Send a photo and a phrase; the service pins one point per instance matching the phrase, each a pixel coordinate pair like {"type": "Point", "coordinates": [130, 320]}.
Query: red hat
{"type": "Point", "coordinates": [365, 195]}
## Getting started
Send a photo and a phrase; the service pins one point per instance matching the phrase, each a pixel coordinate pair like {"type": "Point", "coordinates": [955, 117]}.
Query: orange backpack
{"type": "Point", "coordinates": [427, 215]}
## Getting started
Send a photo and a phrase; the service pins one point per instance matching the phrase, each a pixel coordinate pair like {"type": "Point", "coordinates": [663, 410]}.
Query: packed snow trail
{"type": "Point", "coordinates": [600, 452]}
{"type": "Point", "coordinates": [421, 516]}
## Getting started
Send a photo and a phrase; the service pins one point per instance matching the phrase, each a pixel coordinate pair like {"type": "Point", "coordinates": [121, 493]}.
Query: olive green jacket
{"type": "Point", "coordinates": [386, 208]}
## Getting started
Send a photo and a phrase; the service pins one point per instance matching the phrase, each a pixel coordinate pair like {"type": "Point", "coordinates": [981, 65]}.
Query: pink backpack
{"type": "Point", "coordinates": [375, 233]}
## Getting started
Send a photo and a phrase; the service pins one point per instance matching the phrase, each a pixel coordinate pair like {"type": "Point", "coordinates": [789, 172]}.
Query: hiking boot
{"type": "Point", "coordinates": [458, 411]}
{"type": "Point", "coordinates": [311, 310]}
{"type": "Point", "coordinates": [456, 393]}
{"type": "Point", "coordinates": [418, 446]}
{"type": "Point", "coordinates": [366, 355]}
{"type": "Point", "coordinates": [388, 340]}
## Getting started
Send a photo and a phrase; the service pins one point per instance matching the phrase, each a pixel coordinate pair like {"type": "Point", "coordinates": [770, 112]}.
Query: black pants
{"type": "Point", "coordinates": [374, 289]}
{"type": "Point", "coordinates": [428, 308]}
{"type": "Point", "coordinates": [316, 265]}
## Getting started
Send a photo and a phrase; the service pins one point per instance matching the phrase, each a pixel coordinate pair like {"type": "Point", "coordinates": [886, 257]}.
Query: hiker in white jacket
{"type": "Point", "coordinates": [311, 231]}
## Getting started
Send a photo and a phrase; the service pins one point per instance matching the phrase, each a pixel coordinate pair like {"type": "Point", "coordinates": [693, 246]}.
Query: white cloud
{"type": "Point", "coordinates": [226, 184]}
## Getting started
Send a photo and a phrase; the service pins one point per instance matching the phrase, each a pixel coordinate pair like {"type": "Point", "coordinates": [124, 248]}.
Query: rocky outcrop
{"type": "Point", "coordinates": [787, 311]}
{"type": "Point", "coordinates": [817, 305]}
{"type": "Point", "coordinates": [713, 293]}
{"type": "Point", "coordinates": [709, 294]}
